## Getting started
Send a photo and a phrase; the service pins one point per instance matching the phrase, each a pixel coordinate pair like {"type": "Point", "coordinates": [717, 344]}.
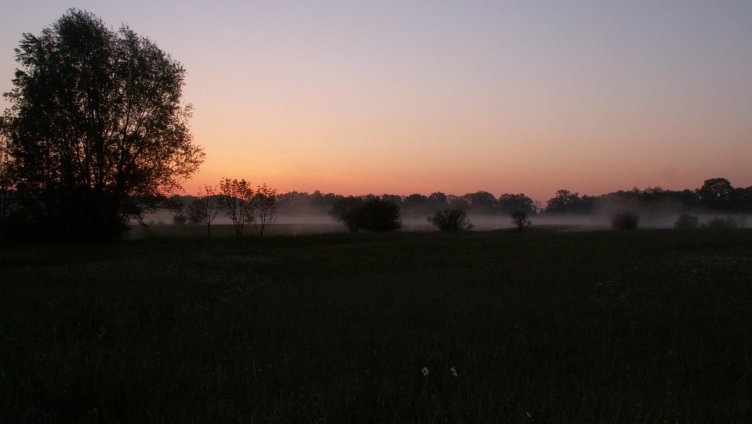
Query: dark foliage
{"type": "Point", "coordinates": [196, 211]}
{"type": "Point", "coordinates": [509, 203]}
{"type": "Point", "coordinates": [625, 220]}
{"type": "Point", "coordinates": [347, 210]}
{"type": "Point", "coordinates": [236, 202]}
{"type": "Point", "coordinates": [566, 202]}
{"type": "Point", "coordinates": [520, 220]}
{"type": "Point", "coordinates": [96, 122]}
{"type": "Point", "coordinates": [716, 194]}
{"type": "Point", "coordinates": [373, 214]}
{"type": "Point", "coordinates": [650, 201]}
{"type": "Point", "coordinates": [451, 220]}
{"type": "Point", "coordinates": [380, 215]}
{"type": "Point", "coordinates": [481, 201]}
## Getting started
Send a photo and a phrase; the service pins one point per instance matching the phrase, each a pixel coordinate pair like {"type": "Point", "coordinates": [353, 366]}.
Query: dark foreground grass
{"type": "Point", "coordinates": [622, 327]}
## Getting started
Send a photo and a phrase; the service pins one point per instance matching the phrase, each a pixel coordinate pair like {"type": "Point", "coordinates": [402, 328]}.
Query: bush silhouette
{"type": "Point", "coordinates": [374, 214]}
{"type": "Point", "coordinates": [347, 210]}
{"type": "Point", "coordinates": [379, 215]}
{"type": "Point", "coordinates": [453, 219]}
{"type": "Point", "coordinates": [625, 220]}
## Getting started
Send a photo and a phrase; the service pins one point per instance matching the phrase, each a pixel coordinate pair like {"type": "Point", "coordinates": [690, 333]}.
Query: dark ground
{"type": "Point", "coordinates": [545, 327]}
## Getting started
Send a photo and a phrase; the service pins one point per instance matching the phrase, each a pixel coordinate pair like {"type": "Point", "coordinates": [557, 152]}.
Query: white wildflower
{"type": "Point", "coordinates": [453, 370]}
{"type": "Point", "coordinates": [424, 370]}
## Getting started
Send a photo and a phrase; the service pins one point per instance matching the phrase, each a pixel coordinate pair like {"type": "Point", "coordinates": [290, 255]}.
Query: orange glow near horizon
{"type": "Point", "coordinates": [415, 97]}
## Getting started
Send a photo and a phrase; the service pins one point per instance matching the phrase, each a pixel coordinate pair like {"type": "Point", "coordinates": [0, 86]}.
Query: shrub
{"type": "Point", "coordinates": [453, 219]}
{"type": "Point", "coordinates": [347, 210]}
{"type": "Point", "coordinates": [520, 220]}
{"type": "Point", "coordinates": [374, 214]}
{"type": "Point", "coordinates": [380, 215]}
{"type": "Point", "coordinates": [686, 221]}
{"type": "Point", "coordinates": [625, 220]}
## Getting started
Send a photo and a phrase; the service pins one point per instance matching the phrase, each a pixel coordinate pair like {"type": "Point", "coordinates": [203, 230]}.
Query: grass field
{"type": "Point", "coordinates": [484, 327]}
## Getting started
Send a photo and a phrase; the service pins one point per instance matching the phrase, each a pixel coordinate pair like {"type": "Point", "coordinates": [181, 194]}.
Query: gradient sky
{"type": "Point", "coordinates": [404, 96]}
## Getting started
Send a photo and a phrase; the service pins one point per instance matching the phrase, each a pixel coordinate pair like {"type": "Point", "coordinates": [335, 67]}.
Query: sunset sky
{"type": "Point", "coordinates": [358, 97]}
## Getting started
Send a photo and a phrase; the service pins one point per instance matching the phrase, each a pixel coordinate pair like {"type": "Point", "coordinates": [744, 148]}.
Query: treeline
{"type": "Point", "coordinates": [261, 206]}
{"type": "Point", "coordinates": [716, 195]}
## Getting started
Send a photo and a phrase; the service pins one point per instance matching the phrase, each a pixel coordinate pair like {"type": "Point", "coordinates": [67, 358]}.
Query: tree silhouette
{"type": "Point", "coordinates": [509, 203]}
{"type": "Point", "coordinates": [716, 193]}
{"type": "Point", "coordinates": [520, 220]}
{"type": "Point", "coordinates": [567, 202]}
{"type": "Point", "coordinates": [481, 201]}
{"type": "Point", "coordinates": [235, 202]}
{"type": "Point", "coordinates": [264, 208]}
{"type": "Point", "coordinates": [96, 123]}
{"type": "Point", "coordinates": [196, 211]}
{"type": "Point", "coordinates": [451, 220]}
{"type": "Point", "coordinates": [373, 214]}
{"type": "Point", "coordinates": [207, 209]}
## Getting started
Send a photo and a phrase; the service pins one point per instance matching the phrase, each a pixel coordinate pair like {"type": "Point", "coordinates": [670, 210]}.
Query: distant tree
{"type": "Point", "coordinates": [437, 201]}
{"type": "Point", "coordinates": [687, 198]}
{"type": "Point", "coordinates": [742, 199]}
{"type": "Point", "coordinates": [347, 210]}
{"type": "Point", "coordinates": [372, 214]}
{"type": "Point", "coordinates": [625, 220]}
{"type": "Point", "coordinates": [520, 220]}
{"type": "Point", "coordinates": [451, 220]}
{"type": "Point", "coordinates": [196, 211]}
{"type": "Point", "coordinates": [566, 202]}
{"type": "Point", "coordinates": [416, 204]}
{"type": "Point", "coordinates": [561, 202]}
{"type": "Point", "coordinates": [379, 215]}
{"type": "Point", "coordinates": [716, 194]}
{"type": "Point", "coordinates": [204, 208]}
{"type": "Point", "coordinates": [481, 202]}
{"type": "Point", "coordinates": [458, 202]}
{"type": "Point", "coordinates": [212, 206]}
{"type": "Point", "coordinates": [96, 124]}
{"type": "Point", "coordinates": [509, 203]}
{"type": "Point", "coordinates": [235, 202]}
{"type": "Point", "coordinates": [294, 202]}
{"type": "Point", "coordinates": [175, 205]}
{"type": "Point", "coordinates": [394, 198]}
{"type": "Point", "coordinates": [264, 208]}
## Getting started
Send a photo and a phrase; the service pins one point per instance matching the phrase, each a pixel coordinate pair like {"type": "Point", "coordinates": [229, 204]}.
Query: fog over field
{"type": "Point", "coordinates": [317, 223]}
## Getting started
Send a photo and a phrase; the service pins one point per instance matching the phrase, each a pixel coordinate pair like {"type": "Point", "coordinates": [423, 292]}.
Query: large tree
{"type": "Point", "coordinates": [96, 124]}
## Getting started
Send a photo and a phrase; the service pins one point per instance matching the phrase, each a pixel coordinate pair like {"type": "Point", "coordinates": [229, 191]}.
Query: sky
{"type": "Point", "coordinates": [400, 97]}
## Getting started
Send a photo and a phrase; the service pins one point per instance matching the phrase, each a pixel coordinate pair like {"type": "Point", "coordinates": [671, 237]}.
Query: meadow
{"type": "Point", "coordinates": [647, 326]}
